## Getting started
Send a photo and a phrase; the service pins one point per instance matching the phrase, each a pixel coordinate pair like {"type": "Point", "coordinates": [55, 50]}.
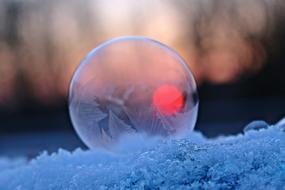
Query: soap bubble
{"type": "Point", "coordinates": [256, 125]}
{"type": "Point", "coordinates": [132, 87]}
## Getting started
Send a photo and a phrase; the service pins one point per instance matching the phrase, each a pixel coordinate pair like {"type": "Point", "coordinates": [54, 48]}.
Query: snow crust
{"type": "Point", "coordinates": [254, 160]}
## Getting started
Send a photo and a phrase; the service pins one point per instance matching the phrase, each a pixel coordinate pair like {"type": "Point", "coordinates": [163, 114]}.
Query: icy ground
{"type": "Point", "coordinates": [254, 160]}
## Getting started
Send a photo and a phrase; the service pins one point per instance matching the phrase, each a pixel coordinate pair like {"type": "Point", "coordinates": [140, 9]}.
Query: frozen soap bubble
{"type": "Point", "coordinates": [256, 125]}
{"type": "Point", "coordinates": [132, 87]}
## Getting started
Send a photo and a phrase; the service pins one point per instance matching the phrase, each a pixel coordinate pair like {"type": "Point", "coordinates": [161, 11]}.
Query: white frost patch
{"type": "Point", "coordinates": [255, 160]}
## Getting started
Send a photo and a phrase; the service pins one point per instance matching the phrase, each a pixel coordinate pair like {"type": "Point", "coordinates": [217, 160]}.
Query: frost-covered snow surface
{"type": "Point", "coordinates": [255, 160]}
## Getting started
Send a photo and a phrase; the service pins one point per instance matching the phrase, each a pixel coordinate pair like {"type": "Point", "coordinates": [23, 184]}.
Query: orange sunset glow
{"type": "Point", "coordinates": [45, 41]}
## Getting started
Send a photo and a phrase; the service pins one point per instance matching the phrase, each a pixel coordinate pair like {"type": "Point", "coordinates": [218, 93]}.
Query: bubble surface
{"type": "Point", "coordinates": [132, 86]}
{"type": "Point", "coordinates": [256, 125]}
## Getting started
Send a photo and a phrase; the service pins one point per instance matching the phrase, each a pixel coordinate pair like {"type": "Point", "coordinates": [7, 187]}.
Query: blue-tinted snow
{"type": "Point", "coordinates": [255, 160]}
{"type": "Point", "coordinates": [7, 164]}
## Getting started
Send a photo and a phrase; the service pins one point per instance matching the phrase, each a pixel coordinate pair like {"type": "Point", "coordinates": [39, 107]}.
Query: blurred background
{"type": "Point", "coordinates": [234, 49]}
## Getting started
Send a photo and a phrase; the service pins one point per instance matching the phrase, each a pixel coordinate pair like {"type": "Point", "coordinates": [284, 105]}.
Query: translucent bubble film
{"type": "Point", "coordinates": [130, 86]}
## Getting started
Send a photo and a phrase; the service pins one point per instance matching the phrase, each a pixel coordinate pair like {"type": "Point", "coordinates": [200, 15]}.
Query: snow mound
{"type": "Point", "coordinates": [254, 160]}
{"type": "Point", "coordinates": [7, 164]}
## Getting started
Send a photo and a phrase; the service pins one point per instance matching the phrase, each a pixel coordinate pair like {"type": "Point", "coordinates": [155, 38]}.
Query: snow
{"type": "Point", "coordinates": [254, 160]}
{"type": "Point", "coordinates": [6, 164]}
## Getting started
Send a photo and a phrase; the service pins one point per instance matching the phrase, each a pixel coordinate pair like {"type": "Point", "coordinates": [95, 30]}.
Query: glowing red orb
{"type": "Point", "coordinates": [167, 99]}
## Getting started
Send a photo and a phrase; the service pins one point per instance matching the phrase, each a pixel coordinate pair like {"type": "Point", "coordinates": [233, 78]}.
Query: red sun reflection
{"type": "Point", "coordinates": [167, 99]}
